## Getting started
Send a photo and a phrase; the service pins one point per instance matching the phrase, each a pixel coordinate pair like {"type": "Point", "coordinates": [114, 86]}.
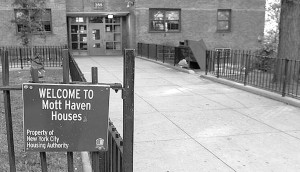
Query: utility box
{"type": "Point", "coordinates": [193, 51]}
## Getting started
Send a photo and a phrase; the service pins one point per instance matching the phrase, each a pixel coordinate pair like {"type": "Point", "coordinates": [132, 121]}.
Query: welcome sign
{"type": "Point", "coordinates": [65, 117]}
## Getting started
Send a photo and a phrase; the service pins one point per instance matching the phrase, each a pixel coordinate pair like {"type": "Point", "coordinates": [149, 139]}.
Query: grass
{"type": "Point", "coordinates": [27, 161]}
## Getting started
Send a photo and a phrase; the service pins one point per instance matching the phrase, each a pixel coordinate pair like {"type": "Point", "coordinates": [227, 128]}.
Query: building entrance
{"type": "Point", "coordinates": [95, 35]}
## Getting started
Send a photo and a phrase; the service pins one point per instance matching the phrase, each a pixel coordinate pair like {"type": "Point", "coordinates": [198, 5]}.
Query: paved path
{"type": "Point", "coordinates": [184, 123]}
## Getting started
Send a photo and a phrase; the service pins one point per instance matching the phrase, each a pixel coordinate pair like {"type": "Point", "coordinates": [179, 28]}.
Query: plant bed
{"type": "Point", "coordinates": [28, 161]}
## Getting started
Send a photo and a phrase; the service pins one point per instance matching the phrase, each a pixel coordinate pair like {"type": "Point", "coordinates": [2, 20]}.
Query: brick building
{"type": "Point", "coordinates": [105, 27]}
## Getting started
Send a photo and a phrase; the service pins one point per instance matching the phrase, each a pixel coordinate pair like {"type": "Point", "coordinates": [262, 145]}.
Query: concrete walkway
{"type": "Point", "coordinates": [185, 123]}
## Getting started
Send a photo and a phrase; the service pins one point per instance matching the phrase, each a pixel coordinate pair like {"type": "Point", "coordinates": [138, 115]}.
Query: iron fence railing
{"type": "Point", "coordinates": [273, 74]}
{"type": "Point", "coordinates": [20, 57]}
{"type": "Point", "coordinates": [114, 155]}
{"type": "Point", "coordinates": [162, 53]}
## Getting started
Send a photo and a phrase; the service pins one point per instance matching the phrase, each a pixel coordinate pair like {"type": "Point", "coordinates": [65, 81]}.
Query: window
{"type": "Point", "coordinates": [79, 19]}
{"type": "Point", "coordinates": [79, 35]}
{"type": "Point", "coordinates": [224, 20]}
{"type": "Point", "coordinates": [43, 18]}
{"type": "Point", "coordinates": [164, 20]}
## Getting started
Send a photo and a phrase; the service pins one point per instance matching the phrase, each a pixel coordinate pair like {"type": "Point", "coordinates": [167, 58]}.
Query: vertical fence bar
{"type": "Point", "coordinates": [66, 80]}
{"type": "Point", "coordinates": [114, 152]}
{"type": "Point", "coordinates": [109, 154]}
{"type": "Point", "coordinates": [212, 62]}
{"type": "Point", "coordinates": [175, 55]}
{"type": "Point", "coordinates": [285, 77]}
{"type": "Point", "coordinates": [128, 109]}
{"type": "Point", "coordinates": [56, 57]}
{"type": "Point", "coordinates": [222, 62]}
{"type": "Point", "coordinates": [229, 63]}
{"type": "Point", "coordinates": [293, 74]}
{"type": "Point", "coordinates": [142, 49]}
{"type": "Point", "coordinates": [7, 107]}
{"type": "Point", "coordinates": [297, 77]}
{"type": "Point", "coordinates": [163, 60]}
{"type": "Point", "coordinates": [189, 56]}
{"type": "Point", "coordinates": [43, 159]}
{"type": "Point", "coordinates": [21, 58]}
{"type": "Point", "coordinates": [148, 51]}
{"type": "Point", "coordinates": [206, 61]}
{"type": "Point", "coordinates": [156, 57]}
{"type": "Point", "coordinates": [281, 68]}
{"type": "Point", "coordinates": [218, 63]}
{"type": "Point", "coordinates": [246, 70]}
{"type": "Point", "coordinates": [226, 58]}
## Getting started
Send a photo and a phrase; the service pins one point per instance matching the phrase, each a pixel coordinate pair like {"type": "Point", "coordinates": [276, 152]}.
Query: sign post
{"type": "Point", "coordinates": [68, 117]}
{"type": "Point", "coordinates": [128, 109]}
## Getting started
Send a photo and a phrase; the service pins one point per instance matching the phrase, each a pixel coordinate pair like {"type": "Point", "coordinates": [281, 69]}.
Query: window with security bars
{"type": "Point", "coordinates": [164, 20]}
{"type": "Point", "coordinates": [41, 20]}
{"type": "Point", "coordinates": [224, 20]}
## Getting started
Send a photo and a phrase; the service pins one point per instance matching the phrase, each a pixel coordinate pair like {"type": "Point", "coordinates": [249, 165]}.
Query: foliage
{"type": "Point", "coordinates": [271, 37]}
{"type": "Point", "coordinates": [264, 63]}
{"type": "Point", "coordinates": [29, 19]}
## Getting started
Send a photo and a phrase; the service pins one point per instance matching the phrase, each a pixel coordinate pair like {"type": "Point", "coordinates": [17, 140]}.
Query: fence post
{"type": "Point", "coordinates": [7, 107]}
{"type": "Point", "coordinates": [285, 77]}
{"type": "Point", "coordinates": [66, 68]}
{"type": "Point", "coordinates": [21, 59]}
{"type": "Point", "coordinates": [95, 155]}
{"type": "Point", "coordinates": [206, 61]}
{"type": "Point", "coordinates": [128, 109]}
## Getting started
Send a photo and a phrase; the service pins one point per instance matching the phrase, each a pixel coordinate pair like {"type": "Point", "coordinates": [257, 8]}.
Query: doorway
{"type": "Point", "coordinates": [96, 39]}
{"type": "Point", "coordinates": [95, 35]}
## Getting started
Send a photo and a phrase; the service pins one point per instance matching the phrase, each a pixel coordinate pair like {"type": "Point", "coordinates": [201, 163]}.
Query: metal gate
{"type": "Point", "coordinates": [119, 154]}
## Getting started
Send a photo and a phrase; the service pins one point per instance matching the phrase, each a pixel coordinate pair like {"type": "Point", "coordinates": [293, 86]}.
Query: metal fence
{"type": "Point", "coordinates": [109, 161]}
{"type": "Point", "coordinates": [273, 74]}
{"type": "Point", "coordinates": [162, 53]}
{"type": "Point", "coordinates": [20, 57]}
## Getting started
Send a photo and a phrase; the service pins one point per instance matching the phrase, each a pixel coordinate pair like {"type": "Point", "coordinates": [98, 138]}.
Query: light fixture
{"type": "Point", "coordinates": [130, 4]}
{"type": "Point", "coordinates": [110, 16]}
{"type": "Point", "coordinates": [260, 38]}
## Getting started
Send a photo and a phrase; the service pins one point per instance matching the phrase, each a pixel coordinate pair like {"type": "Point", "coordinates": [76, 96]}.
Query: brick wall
{"type": "Point", "coordinates": [8, 32]}
{"type": "Point", "coordinates": [199, 21]}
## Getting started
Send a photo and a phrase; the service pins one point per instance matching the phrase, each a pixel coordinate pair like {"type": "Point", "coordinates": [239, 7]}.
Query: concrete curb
{"type": "Point", "coordinates": [168, 65]}
{"type": "Point", "coordinates": [258, 91]}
